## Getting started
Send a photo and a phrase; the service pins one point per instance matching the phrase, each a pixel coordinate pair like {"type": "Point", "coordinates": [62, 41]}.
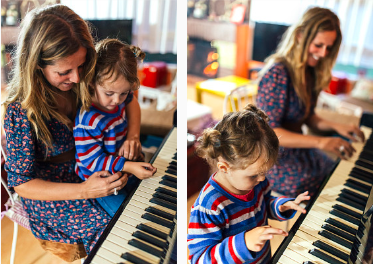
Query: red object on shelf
{"type": "Point", "coordinates": [338, 84]}
{"type": "Point", "coordinates": [155, 74]}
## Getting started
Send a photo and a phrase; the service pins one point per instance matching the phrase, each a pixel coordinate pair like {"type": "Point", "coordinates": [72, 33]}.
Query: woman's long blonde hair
{"type": "Point", "coordinates": [294, 53]}
{"type": "Point", "coordinates": [47, 35]}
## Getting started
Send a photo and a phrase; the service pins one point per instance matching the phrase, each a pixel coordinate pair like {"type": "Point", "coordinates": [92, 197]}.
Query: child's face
{"type": "Point", "coordinates": [241, 181]}
{"type": "Point", "coordinates": [111, 94]}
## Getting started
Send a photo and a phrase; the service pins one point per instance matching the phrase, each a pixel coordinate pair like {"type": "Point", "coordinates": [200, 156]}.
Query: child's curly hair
{"type": "Point", "coordinates": [117, 58]}
{"type": "Point", "coordinates": [241, 139]}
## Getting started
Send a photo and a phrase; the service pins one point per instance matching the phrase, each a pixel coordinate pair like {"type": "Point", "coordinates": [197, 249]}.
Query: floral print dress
{"type": "Point", "coordinates": [68, 221]}
{"type": "Point", "coordinates": [297, 170]}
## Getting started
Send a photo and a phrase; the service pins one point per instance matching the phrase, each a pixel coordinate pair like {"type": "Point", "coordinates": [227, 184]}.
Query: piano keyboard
{"type": "Point", "coordinates": [144, 230]}
{"type": "Point", "coordinates": [328, 232]}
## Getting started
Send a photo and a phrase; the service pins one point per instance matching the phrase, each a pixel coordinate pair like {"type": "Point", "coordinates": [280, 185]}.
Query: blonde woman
{"type": "Point", "coordinates": [54, 64]}
{"type": "Point", "coordinates": [290, 83]}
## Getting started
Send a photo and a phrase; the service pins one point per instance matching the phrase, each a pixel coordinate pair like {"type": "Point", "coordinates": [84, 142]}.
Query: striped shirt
{"type": "Point", "coordinates": [98, 136]}
{"type": "Point", "coordinates": [218, 223]}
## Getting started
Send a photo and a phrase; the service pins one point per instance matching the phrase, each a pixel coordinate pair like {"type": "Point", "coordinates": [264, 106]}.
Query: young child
{"type": "Point", "coordinates": [104, 138]}
{"type": "Point", "coordinates": [228, 222]}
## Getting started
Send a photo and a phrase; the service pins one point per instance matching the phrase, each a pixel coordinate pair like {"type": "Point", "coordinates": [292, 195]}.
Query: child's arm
{"type": "Point", "coordinates": [90, 150]}
{"type": "Point", "coordinates": [131, 148]}
{"type": "Point", "coordinates": [294, 205]}
{"type": "Point", "coordinates": [208, 243]}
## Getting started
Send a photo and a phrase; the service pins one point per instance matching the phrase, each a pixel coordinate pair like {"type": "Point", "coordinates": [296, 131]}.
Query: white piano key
{"type": "Point", "coordinates": [307, 244]}
{"type": "Point", "coordinates": [295, 251]}
{"type": "Point", "coordinates": [143, 200]}
{"type": "Point", "coordinates": [286, 260]}
{"type": "Point", "coordinates": [127, 215]}
{"type": "Point", "coordinates": [144, 206]}
{"type": "Point", "coordinates": [123, 246]}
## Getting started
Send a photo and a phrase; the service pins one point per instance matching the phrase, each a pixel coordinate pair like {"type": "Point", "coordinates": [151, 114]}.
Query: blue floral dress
{"type": "Point", "coordinates": [297, 170]}
{"type": "Point", "coordinates": [68, 221]}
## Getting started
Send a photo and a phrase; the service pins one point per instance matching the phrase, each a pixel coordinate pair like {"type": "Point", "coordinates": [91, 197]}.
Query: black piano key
{"type": "Point", "coordinates": [175, 156]}
{"type": "Point", "coordinates": [308, 262]}
{"type": "Point", "coordinates": [169, 178]}
{"type": "Point", "coordinates": [166, 191]}
{"type": "Point", "coordinates": [158, 220]}
{"type": "Point", "coordinates": [325, 257]}
{"type": "Point", "coordinates": [339, 232]}
{"type": "Point", "coordinates": [163, 203]}
{"type": "Point", "coordinates": [161, 213]}
{"type": "Point", "coordinates": [347, 211]}
{"type": "Point", "coordinates": [364, 164]}
{"type": "Point", "coordinates": [358, 186]}
{"type": "Point", "coordinates": [340, 225]}
{"type": "Point", "coordinates": [359, 198]}
{"type": "Point", "coordinates": [362, 172]}
{"type": "Point", "coordinates": [361, 176]}
{"type": "Point", "coordinates": [165, 197]}
{"type": "Point", "coordinates": [169, 183]}
{"type": "Point", "coordinates": [134, 259]}
{"type": "Point", "coordinates": [173, 163]}
{"type": "Point", "coordinates": [172, 167]}
{"type": "Point", "coordinates": [150, 239]}
{"type": "Point", "coordinates": [344, 216]}
{"type": "Point", "coordinates": [152, 231]}
{"type": "Point", "coordinates": [335, 238]}
{"type": "Point", "coordinates": [171, 171]}
{"type": "Point", "coordinates": [347, 200]}
{"type": "Point", "coordinates": [366, 156]}
{"type": "Point", "coordinates": [331, 250]}
{"type": "Point", "coordinates": [147, 248]}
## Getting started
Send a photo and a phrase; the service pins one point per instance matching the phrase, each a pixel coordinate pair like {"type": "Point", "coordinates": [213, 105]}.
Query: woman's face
{"type": "Point", "coordinates": [65, 72]}
{"type": "Point", "coordinates": [320, 46]}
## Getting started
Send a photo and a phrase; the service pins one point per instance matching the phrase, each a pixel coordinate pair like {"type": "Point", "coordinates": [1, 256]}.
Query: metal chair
{"type": "Point", "coordinates": [15, 212]}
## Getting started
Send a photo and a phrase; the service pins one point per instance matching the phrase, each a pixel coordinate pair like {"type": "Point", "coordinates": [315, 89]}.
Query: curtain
{"type": "Point", "coordinates": [154, 21]}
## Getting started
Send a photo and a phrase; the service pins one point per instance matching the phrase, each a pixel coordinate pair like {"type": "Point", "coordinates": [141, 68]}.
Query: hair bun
{"type": "Point", "coordinates": [252, 108]}
{"type": "Point", "coordinates": [139, 54]}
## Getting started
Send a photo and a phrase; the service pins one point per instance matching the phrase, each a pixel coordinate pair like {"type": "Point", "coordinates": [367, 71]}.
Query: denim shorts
{"type": "Point", "coordinates": [112, 202]}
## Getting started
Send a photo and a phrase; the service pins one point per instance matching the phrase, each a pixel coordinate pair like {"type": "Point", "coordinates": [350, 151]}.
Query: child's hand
{"type": "Point", "coordinates": [256, 238]}
{"type": "Point", "coordinates": [141, 170]}
{"type": "Point", "coordinates": [131, 149]}
{"type": "Point", "coordinates": [294, 205]}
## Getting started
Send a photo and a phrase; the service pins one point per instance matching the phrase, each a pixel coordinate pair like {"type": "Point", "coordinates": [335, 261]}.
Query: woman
{"type": "Point", "coordinates": [54, 64]}
{"type": "Point", "coordinates": [290, 83]}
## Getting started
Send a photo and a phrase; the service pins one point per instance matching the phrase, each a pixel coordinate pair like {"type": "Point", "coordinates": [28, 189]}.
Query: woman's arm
{"type": "Point", "coordinates": [290, 139]}
{"type": "Point", "coordinates": [95, 186]}
{"type": "Point", "coordinates": [349, 131]}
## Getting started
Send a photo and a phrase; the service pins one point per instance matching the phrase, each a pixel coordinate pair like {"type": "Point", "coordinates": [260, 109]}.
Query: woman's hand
{"type": "Point", "coordinates": [294, 205]}
{"type": "Point", "coordinates": [102, 183]}
{"type": "Point", "coordinates": [351, 132]}
{"type": "Point", "coordinates": [131, 149]}
{"type": "Point", "coordinates": [141, 170]}
{"type": "Point", "coordinates": [256, 238]}
{"type": "Point", "coordinates": [338, 146]}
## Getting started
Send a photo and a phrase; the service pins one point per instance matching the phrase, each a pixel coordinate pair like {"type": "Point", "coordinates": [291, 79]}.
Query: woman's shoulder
{"type": "Point", "coordinates": [279, 67]}
{"type": "Point", "coordinates": [15, 108]}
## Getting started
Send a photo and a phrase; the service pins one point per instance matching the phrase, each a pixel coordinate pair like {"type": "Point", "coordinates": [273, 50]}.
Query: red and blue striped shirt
{"type": "Point", "coordinates": [219, 221]}
{"type": "Point", "coordinates": [98, 136]}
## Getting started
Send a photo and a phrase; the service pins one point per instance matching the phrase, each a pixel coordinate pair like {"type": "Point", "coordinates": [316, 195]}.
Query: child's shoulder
{"type": "Point", "coordinates": [210, 198]}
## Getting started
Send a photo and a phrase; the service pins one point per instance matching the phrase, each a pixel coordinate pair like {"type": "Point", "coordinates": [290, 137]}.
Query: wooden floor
{"type": "Point", "coordinates": [28, 250]}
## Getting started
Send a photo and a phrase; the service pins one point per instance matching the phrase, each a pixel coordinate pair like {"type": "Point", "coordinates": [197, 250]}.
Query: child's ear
{"type": "Point", "coordinates": [222, 166]}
